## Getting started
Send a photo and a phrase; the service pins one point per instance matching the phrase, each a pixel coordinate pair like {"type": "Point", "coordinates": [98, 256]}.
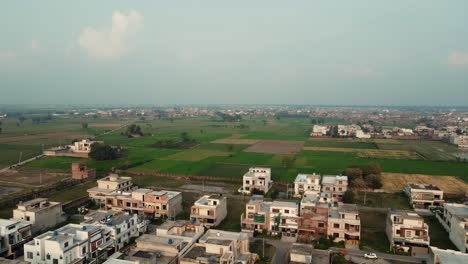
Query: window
{"type": "Point", "coordinates": [48, 256]}
{"type": "Point", "coordinates": [286, 211]}
{"type": "Point", "coordinates": [164, 207]}
{"type": "Point", "coordinates": [83, 250]}
{"type": "Point", "coordinates": [408, 233]}
{"type": "Point", "coordinates": [336, 235]}
{"type": "Point", "coordinates": [28, 218]}
{"type": "Point", "coordinates": [336, 225]}
{"type": "Point", "coordinates": [275, 210]}
{"type": "Point", "coordinates": [30, 255]}
{"type": "Point", "coordinates": [321, 225]}
{"type": "Point", "coordinates": [417, 232]}
{"type": "Point", "coordinates": [65, 245]}
{"type": "Point", "coordinates": [55, 261]}
{"type": "Point", "coordinates": [215, 202]}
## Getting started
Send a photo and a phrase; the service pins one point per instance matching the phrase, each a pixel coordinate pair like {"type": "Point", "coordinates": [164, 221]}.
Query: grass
{"type": "Point", "coordinates": [430, 150]}
{"type": "Point", "coordinates": [235, 208]}
{"type": "Point", "coordinates": [196, 154]}
{"type": "Point", "coordinates": [339, 143]}
{"type": "Point", "coordinates": [260, 249]}
{"type": "Point", "coordinates": [439, 237]}
{"type": "Point", "coordinates": [383, 200]}
{"type": "Point", "coordinates": [373, 231]}
{"type": "Point", "coordinates": [73, 193]}
{"type": "Point", "coordinates": [10, 153]}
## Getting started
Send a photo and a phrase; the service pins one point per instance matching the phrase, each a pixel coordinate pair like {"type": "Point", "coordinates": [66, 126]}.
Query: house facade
{"type": "Point", "coordinates": [334, 186]}
{"type": "Point", "coordinates": [344, 224]}
{"type": "Point", "coordinates": [13, 235]}
{"type": "Point", "coordinates": [210, 210]}
{"type": "Point", "coordinates": [306, 183]}
{"type": "Point", "coordinates": [40, 213]}
{"type": "Point", "coordinates": [256, 181]}
{"type": "Point", "coordinates": [454, 219]}
{"type": "Point", "coordinates": [424, 196]}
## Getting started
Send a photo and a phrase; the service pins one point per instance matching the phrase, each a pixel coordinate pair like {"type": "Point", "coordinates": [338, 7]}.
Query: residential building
{"type": "Point", "coordinates": [306, 182]}
{"type": "Point", "coordinates": [13, 234]}
{"type": "Point", "coordinates": [80, 171]}
{"type": "Point", "coordinates": [424, 196]}
{"type": "Point", "coordinates": [301, 253]}
{"type": "Point", "coordinates": [69, 244]}
{"type": "Point", "coordinates": [319, 131]}
{"type": "Point", "coordinates": [40, 213]}
{"type": "Point", "coordinates": [111, 184]}
{"type": "Point", "coordinates": [407, 232]}
{"type": "Point", "coordinates": [83, 146]}
{"type": "Point", "coordinates": [284, 218]}
{"type": "Point", "coordinates": [446, 256]}
{"type": "Point", "coordinates": [146, 202]}
{"type": "Point", "coordinates": [454, 218]}
{"type": "Point", "coordinates": [361, 134]}
{"type": "Point", "coordinates": [256, 216]}
{"type": "Point", "coordinates": [210, 210]}
{"type": "Point", "coordinates": [120, 226]}
{"type": "Point", "coordinates": [344, 224]}
{"type": "Point", "coordinates": [217, 246]}
{"type": "Point", "coordinates": [256, 181]}
{"type": "Point", "coordinates": [347, 130]}
{"type": "Point", "coordinates": [334, 186]}
{"type": "Point", "coordinates": [313, 221]}
{"type": "Point", "coordinates": [460, 140]}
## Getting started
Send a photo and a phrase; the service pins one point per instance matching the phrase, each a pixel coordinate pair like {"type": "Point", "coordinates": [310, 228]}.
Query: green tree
{"type": "Point", "coordinates": [103, 152]}
{"type": "Point", "coordinates": [184, 137]}
{"type": "Point", "coordinates": [264, 122]}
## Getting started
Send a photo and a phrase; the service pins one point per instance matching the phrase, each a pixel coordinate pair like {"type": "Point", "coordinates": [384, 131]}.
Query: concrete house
{"type": "Point", "coordinates": [301, 253]}
{"type": "Point", "coordinates": [284, 218]}
{"type": "Point", "coordinates": [424, 196]}
{"type": "Point", "coordinates": [111, 184]}
{"type": "Point", "coordinates": [344, 224]}
{"type": "Point", "coordinates": [80, 171]}
{"type": "Point", "coordinates": [313, 221]}
{"type": "Point", "coordinates": [306, 183]}
{"type": "Point", "coordinates": [256, 216]}
{"type": "Point", "coordinates": [217, 246]}
{"type": "Point", "coordinates": [40, 213]}
{"type": "Point", "coordinates": [407, 232]}
{"type": "Point", "coordinates": [13, 235]}
{"type": "Point", "coordinates": [334, 186]}
{"type": "Point", "coordinates": [210, 210]}
{"type": "Point", "coordinates": [454, 218]}
{"type": "Point", "coordinates": [256, 181]}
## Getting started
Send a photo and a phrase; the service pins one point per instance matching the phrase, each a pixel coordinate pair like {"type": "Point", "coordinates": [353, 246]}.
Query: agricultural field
{"type": "Point", "coordinates": [228, 149]}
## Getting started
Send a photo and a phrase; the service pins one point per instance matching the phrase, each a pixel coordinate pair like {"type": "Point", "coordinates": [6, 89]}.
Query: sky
{"type": "Point", "coordinates": [363, 52]}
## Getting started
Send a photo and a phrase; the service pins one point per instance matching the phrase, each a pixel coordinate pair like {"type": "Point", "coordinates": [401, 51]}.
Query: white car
{"type": "Point", "coordinates": [370, 255]}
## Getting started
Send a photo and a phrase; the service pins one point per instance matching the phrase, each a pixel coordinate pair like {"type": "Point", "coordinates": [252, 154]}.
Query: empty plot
{"type": "Point", "coordinates": [235, 141]}
{"type": "Point", "coordinates": [449, 184]}
{"type": "Point", "coordinates": [276, 146]}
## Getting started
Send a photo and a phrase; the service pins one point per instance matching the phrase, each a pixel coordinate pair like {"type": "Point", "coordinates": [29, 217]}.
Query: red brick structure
{"type": "Point", "coordinates": [80, 171]}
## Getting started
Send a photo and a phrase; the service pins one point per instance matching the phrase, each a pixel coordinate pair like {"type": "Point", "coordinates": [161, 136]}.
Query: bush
{"type": "Point", "coordinates": [104, 152]}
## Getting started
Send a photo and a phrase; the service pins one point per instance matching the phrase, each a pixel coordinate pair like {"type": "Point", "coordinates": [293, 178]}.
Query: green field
{"type": "Point", "coordinates": [229, 160]}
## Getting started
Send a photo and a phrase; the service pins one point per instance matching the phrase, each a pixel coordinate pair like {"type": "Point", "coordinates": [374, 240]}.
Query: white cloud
{"type": "Point", "coordinates": [111, 44]}
{"type": "Point", "coordinates": [458, 58]}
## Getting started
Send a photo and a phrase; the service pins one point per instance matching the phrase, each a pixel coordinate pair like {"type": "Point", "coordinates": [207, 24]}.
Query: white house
{"type": "Point", "coordinates": [256, 181]}
{"type": "Point", "coordinates": [306, 183]}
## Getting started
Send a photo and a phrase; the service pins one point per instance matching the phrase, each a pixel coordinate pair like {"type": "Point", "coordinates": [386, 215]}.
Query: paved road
{"type": "Point", "coordinates": [360, 253]}
{"type": "Point", "coordinates": [281, 252]}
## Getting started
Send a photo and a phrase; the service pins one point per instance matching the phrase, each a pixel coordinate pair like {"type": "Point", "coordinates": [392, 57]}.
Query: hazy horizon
{"type": "Point", "coordinates": [361, 53]}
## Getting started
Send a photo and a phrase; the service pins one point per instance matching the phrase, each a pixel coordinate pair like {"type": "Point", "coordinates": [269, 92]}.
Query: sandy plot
{"type": "Point", "coordinates": [276, 146]}
{"type": "Point", "coordinates": [449, 184]}
{"type": "Point", "coordinates": [235, 141]}
{"type": "Point", "coordinates": [55, 135]}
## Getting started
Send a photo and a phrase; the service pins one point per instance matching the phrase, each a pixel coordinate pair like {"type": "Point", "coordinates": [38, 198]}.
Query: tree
{"type": "Point", "coordinates": [84, 125]}
{"type": "Point", "coordinates": [134, 130]}
{"type": "Point", "coordinates": [184, 137]}
{"type": "Point", "coordinates": [359, 183]}
{"type": "Point", "coordinates": [374, 181]}
{"type": "Point", "coordinates": [372, 168]}
{"type": "Point", "coordinates": [348, 197]}
{"type": "Point", "coordinates": [230, 148]}
{"type": "Point", "coordinates": [353, 173]}
{"type": "Point", "coordinates": [103, 152]}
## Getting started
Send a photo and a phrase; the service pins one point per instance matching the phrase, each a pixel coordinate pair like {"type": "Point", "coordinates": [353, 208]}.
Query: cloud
{"type": "Point", "coordinates": [362, 72]}
{"type": "Point", "coordinates": [458, 58]}
{"type": "Point", "coordinates": [110, 44]}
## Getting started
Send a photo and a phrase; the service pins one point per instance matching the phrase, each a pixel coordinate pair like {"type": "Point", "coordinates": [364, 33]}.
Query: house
{"type": "Point", "coordinates": [361, 134]}
{"type": "Point", "coordinates": [454, 218]}
{"type": "Point", "coordinates": [344, 224]}
{"type": "Point", "coordinates": [13, 234]}
{"type": "Point", "coordinates": [256, 216]}
{"type": "Point", "coordinates": [256, 181]}
{"type": "Point", "coordinates": [284, 219]}
{"type": "Point", "coordinates": [460, 140]}
{"type": "Point", "coordinates": [40, 213]}
{"type": "Point", "coordinates": [446, 256]}
{"type": "Point", "coordinates": [217, 246]}
{"type": "Point", "coordinates": [407, 232]}
{"type": "Point", "coordinates": [146, 202]}
{"type": "Point", "coordinates": [313, 221]}
{"type": "Point", "coordinates": [347, 130]}
{"type": "Point", "coordinates": [306, 182]}
{"type": "Point", "coordinates": [334, 186]}
{"type": "Point", "coordinates": [111, 184]}
{"type": "Point", "coordinates": [72, 243]}
{"type": "Point", "coordinates": [80, 171]}
{"type": "Point", "coordinates": [319, 131]}
{"type": "Point", "coordinates": [120, 226]}
{"type": "Point", "coordinates": [83, 146]}
{"type": "Point", "coordinates": [301, 253]}
{"type": "Point", "coordinates": [210, 210]}
{"type": "Point", "coordinates": [424, 196]}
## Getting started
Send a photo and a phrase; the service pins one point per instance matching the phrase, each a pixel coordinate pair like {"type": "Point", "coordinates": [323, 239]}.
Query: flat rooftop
{"type": "Point", "coordinates": [331, 179]}
{"type": "Point", "coordinates": [457, 209]}
{"type": "Point", "coordinates": [424, 187]}
{"type": "Point", "coordinates": [200, 252]}
{"type": "Point", "coordinates": [304, 177]}
{"type": "Point", "coordinates": [284, 204]}
{"type": "Point", "coordinates": [302, 249]}
{"type": "Point", "coordinates": [450, 256]}
{"type": "Point", "coordinates": [169, 241]}
{"type": "Point", "coordinates": [404, 213]}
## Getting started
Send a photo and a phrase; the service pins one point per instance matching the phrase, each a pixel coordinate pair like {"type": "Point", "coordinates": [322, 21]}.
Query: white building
{"type": "Point", "coordinates": [407, 232]}
{"type": "Point", "coordinates": [424, 196]}
{"type": "Point", "coordinates": [460, 140]}
{"type": "Point", "coordinates": [111, 184]}
{"type": "Point", "coordinates": [120, 226]}
{"type": "Point", "coordinates": [454, 218]}
{"type": "Point", "coordinates": [442, 256]}
{"type": "Point", "coordinates": [344, 224]}
{"type": "Point", "coordinates": [301, 253]}
{"type": "Point", "coordinates": [319, 131]}
{"type": "Point", "coordinates": [306, 183]}
{"type": "Point", "coordinates": [210, 210]}
{"type": "Point", "coordinates": [256, 181]}
{"type": "Point", "coordinates": [284, 218]}
{"type": "Point", "coordinates": [41, 213]}
{"type": "Point", "coordinates": [217, 246]}
{"type": "Point", "coordinates": [334, 186]}
{"type": "Point", "coordinates": [361, 134]}
{"type": "Point", "coordinates": [13, 234]}
{"type": "Point", "coordinates": [69, 244]}
{"type": "Point", "coordinates": [83, 146]}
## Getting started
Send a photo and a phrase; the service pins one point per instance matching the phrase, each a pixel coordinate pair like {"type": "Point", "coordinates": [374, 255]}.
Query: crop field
{"type": "Point", "coordinates": [430, 150]}
{"type": "Point", "coordinates": [223, 149]}
{"type": "Point", "coordinates": [449, 184]}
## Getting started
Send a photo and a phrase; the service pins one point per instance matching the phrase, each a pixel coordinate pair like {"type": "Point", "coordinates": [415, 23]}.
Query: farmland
{"type": "Point", "coordinates": [228, 149]}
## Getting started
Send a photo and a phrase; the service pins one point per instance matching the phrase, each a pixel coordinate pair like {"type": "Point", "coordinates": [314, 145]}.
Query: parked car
{"type": "Point", "coordinates": [370, 255]}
